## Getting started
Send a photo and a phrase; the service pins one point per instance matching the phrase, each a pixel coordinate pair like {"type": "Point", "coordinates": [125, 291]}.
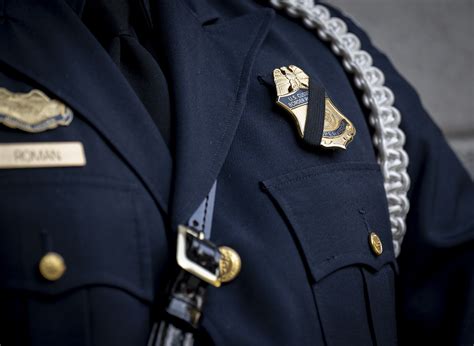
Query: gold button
{"type": "Point", "coordinates": [229, 265]}
{"type": "Point", "coordinates": [375, 244]}
{"type": "Point", "coordinates": [52, 266]}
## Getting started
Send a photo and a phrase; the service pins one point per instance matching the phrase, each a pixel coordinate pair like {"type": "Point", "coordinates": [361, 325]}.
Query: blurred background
{"type": "Point", "coordinates": [431, 42]}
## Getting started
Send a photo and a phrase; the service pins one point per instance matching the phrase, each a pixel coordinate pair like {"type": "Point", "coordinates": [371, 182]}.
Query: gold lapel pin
{"type": "Point", "coordinates": [322, 123]}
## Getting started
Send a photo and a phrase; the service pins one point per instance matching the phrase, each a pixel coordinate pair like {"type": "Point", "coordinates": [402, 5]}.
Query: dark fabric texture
{"type": "Point", "coordinates": [299, 218]}
{"type": "Point", "coordinates": [125, 29]}
{"type": "Point", "coordinates": [435, 295]}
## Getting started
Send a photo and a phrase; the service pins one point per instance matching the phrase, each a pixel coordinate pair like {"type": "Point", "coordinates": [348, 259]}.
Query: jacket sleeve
{"type": "Point", "coordinates": [435, 289]}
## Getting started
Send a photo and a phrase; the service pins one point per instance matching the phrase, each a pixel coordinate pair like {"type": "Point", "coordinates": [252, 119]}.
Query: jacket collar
{"type": "Point", "coordinates": [210, 68]}
{"type": "Point", "coordinates": [209, 74]}
{"type": "Point", "coordinates": [47, 42]}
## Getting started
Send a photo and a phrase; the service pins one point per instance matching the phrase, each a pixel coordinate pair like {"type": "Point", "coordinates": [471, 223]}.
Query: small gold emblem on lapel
{"type": "Point", "coordinates": [32, 111]}
{"type": "Point", "coordinates": [292, 85]}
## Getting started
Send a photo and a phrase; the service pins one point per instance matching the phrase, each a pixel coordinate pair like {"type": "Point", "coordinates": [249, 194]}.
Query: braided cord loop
{"type": "Point", "coordinates": [388, 138]}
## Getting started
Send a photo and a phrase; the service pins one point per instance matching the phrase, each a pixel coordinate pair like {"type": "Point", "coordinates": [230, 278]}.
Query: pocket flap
{"type": "Point", "coordinates": [90, 222]}
{"type": "Point", "coordinates": [332, 210]}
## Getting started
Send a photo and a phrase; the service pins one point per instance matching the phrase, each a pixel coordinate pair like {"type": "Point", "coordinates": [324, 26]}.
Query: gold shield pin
{"type": "Point", "coordinates": [32, 111]}
{"type": "Point", "coordinates": [318, 120]}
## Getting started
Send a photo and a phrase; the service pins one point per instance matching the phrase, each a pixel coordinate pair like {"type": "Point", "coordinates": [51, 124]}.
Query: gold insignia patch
{"type": "Point", "coordinates": [32, 111]}
{"type": "Point", "coordinates": [292, 85]}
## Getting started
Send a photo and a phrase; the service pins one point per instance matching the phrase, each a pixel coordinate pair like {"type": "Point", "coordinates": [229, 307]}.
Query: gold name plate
{"type": "Point", "coordinates": [43, 154]}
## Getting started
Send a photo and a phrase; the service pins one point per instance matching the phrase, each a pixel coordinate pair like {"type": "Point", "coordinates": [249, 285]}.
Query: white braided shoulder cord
{"type": "Point", "coordinates": [384, 118]}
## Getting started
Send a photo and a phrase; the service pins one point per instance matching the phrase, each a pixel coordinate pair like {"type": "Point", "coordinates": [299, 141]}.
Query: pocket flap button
{"type": "Point", "coordinates": [52, 266]}
{"type": "Point", "coordinates": [229, 264]}
{"type": "Point", "coordinates": [375, 244]}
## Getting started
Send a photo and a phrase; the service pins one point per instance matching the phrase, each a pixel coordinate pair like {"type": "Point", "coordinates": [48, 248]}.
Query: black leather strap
{"type": "Point", "coordinates": [201, 220]}
{"type": "Point", "coordinates": [178, 324]}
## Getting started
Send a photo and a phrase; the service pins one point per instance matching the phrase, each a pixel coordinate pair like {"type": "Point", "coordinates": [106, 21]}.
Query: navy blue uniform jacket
{"type": "Point", "coordinates": [299, 218]}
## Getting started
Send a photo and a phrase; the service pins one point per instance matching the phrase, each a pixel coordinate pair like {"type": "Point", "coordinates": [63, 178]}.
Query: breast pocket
{"type": "Point", "coordinates": [339, 218]}
{"type": "Point", "coordinates": [100, 293]}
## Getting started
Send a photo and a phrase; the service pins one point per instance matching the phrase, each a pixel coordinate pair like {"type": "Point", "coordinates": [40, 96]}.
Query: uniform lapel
{"type": "Point", "coordinates": [46, 41]}
{"type": "Point", "coordinates": [210, 68]}
{"type": "Point", "coordinates": [209, 73]}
